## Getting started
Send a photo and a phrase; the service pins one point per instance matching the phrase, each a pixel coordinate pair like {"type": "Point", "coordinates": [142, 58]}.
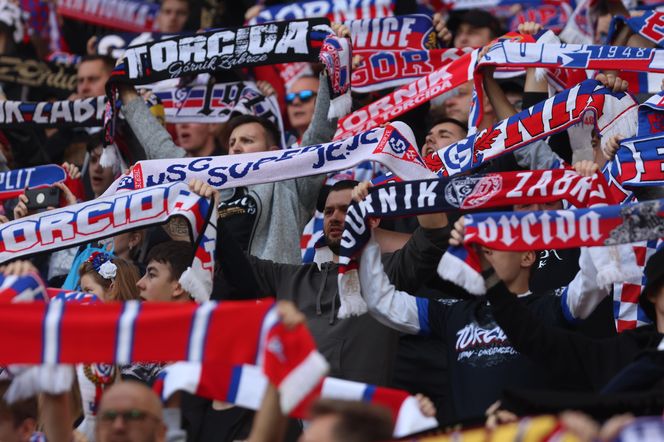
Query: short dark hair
{"type": "Point", "coordinates": [177, 254]}
{"type": "Point", "coordinates": [454, 121]}
{"type": "Point", "coordinates": [19, 410]}
{"type": "Point", "coordinates": [325, 191]}
{"type": "Point", "coordinates": [357, 421]}
{"type": "Point", "coordinates": [271, 130]}
{"type": "Point", "coordinates": [107, 61]}
{"type": "Point", "coordinates": [477, 18]}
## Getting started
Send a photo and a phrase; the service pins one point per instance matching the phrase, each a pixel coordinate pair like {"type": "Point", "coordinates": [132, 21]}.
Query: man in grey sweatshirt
{"type": "Point", "coordinates": [273, 214]}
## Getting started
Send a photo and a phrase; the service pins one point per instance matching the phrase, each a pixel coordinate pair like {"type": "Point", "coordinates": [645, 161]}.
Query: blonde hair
{"type": "Point", "coordinates": [123, 286]}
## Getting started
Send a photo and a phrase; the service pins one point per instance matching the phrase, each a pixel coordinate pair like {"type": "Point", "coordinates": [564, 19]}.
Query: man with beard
{"type": "Point", "coordinates": [358, 348]}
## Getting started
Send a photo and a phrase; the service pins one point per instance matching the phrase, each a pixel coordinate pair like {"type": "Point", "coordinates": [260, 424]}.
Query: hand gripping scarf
{"type": "Point", "coordinates": [249, 386]}
{"type": "Point", "coordinates": [334, 10]}
{"type": "Point", "coordinates": [116, 213]}
{"type": "Point", "coordinates": [30, 287]}
{"type": "Point", "coordinates": [639, 162]}
{"type": "Point", "coordinates": [393, 146]}
{"type": "Point", "coordinates": [301, 40]}
{"type": "Point", "coordinates": [452, 194]}
{"type": "Point", "coordinates": [614, 114]}
{"type": "Point", "coordinates": [552, 229]}
{"type": "Point", "coordinates": [219, 336]}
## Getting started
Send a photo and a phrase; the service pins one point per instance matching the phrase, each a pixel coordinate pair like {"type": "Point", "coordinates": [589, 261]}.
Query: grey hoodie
{"type": "Point", "coordinates": [283, 208]}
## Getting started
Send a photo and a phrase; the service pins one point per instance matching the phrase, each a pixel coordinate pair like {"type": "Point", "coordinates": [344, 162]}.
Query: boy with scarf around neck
{"type": "Point", "coordinates": [482, 361]}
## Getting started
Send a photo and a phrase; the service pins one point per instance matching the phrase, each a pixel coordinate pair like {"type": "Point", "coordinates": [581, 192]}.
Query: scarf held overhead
{"type": "Point", "coordinates": [393, 146]}
{"type": "Point", "coordinates": [544, 230]}
{"type": "Point", "coordinates": [86, 112]}
{"type": "Point", "coordinates": [14, 182]}
{"type": "Point", "coordinates": [452, 194]}
{"type": "Point", "coordinates": [613, 115]}
{"type": "Point", "coordinates": [502, 54]}
{"type": "Point", "coordinates": [219, 336]}
{"type": "Point", "coordinates": [116, 213]}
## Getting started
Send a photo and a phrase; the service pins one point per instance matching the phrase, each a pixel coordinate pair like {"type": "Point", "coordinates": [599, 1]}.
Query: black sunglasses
{"type": "Point", "coordinates": [304, 96]}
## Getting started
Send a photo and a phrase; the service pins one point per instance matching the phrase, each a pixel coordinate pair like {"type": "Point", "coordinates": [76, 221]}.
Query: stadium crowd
{"type": "Point", "coordinates": [178, 262]}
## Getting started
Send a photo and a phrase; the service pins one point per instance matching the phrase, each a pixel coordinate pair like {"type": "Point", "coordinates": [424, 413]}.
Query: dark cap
{"type": "Point", "coordinates": [654, 278]}
{"type": "Point", "coordinates": [477, 18]}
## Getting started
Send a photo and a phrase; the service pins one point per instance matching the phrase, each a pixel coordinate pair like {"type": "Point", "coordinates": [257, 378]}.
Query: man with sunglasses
{"type": "Point", "coordinates": [300, 103]}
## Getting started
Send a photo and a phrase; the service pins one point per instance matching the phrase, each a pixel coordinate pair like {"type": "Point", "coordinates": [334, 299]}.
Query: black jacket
{"type": "Point", "coordinates": [584, 361]}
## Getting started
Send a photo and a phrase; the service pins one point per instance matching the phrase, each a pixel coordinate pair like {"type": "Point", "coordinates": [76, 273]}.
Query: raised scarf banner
{"type": "Point", "coordinates": [551, 229]}
{"type": "Point", "coordinates": [448, 195]}
{"type": "Point", "coordinates": [502, 54]}
{"type": "Point", "coordinates": [57, 78]}
{"type": "Point", "coordinates": [580, 28]}
{"type": "Point", "coordinates": [11, 16]}
{"type": "Point", "coordinates": [300, 40]}
{"type": "Point", "coordinates": [220, 336]}
{"type": "Point", "coordinates": [249, 385]}
{"type": "Point", "coordinates": [380, 70]}
{"type": "Point", "coordinates": [14, 182]}
{"type": "Point", "coordinates": [393, 146]}
{"type": "Point", "coordinates": [207, 52]}
{"type": "Point", "coordinates": [337, 11]}
{"type": "Point", "coordinates": [393, 46]}
{"type": "Point", "coordinates": [569, 56]}
{"type": "Point", "coordinates": [112, 214]}
{"type": "Point", "coordinates": [217, 103]}
{"type": "Point", "coordinates": [612, 110]}
{"type": "Point", "coordinates": [85, 112]}
{"type": "Point", "coordinates": [126, 15]}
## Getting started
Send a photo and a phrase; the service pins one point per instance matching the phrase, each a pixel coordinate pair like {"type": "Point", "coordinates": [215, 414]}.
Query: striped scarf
{"type": "Point", "coordinates": [553, 229]}
{"type": "Point", "coordinates": [452, 194]}
{"type": "Point", "coordinates": [393, 146]}
{"type": "Point", "coordinates": [116, 213]}
{"type": "Point", "coordinates": [615, 113]}
{"type": "Point", "coordinates": [249, 386]}
{"type": "Point", "coordinates": [211, 51]}
{"type": "Point", "coordinates": [218, 336]}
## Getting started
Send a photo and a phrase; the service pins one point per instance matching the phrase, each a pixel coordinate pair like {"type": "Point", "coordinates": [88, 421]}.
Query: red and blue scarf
{"type": "Point", "coordinates": [116, 213]}
{"type": "Point", "coordinates": [335, 11]}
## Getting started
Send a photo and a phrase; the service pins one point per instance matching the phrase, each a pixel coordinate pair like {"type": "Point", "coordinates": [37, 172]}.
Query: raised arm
{"type": "Point", "coordinates": [152, 136]}
{"type": "Point", "coordinates": [394, 308]}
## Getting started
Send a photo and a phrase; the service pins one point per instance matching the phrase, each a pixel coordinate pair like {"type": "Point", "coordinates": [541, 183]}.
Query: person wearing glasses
{"type": "Point", "coordinates": [130, 411]}
{"type": "Point", "coordinates": [300, 103]}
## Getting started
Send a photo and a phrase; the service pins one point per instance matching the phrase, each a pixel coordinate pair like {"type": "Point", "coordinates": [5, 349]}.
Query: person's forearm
{"type": "Point", "coordinates": [389, 306]}
{"type": "Point", "coordinates": [269, 423]}
{"type": "Point", "coordinates": [501, 105]}
{"type": "Point", "coordinates": [153, 137]}
{"type": "Point", "coordinates": [320, 130]}
{"type": "Point", "coordinates": [56, 417]}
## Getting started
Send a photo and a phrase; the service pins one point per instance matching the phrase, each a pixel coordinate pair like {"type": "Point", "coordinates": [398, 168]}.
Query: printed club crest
{"type": "Point", "coordinates": [397, 146]}
{"type": "Point", "coordinates": [471, 192]}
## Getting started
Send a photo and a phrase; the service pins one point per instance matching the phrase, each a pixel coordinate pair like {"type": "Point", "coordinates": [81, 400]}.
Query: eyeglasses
{"type": "Point", "coordinates": [304, 96]}
{"type": "Point", "coordinates": [129, 416]}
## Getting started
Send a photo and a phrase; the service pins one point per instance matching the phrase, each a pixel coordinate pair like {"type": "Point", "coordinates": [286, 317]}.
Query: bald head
{"type": "Point", "coordinates": [130, 412]}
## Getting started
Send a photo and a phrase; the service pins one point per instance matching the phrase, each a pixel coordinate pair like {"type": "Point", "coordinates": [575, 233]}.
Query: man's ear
{"type": "Point", "coordinates": [528, 258]}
